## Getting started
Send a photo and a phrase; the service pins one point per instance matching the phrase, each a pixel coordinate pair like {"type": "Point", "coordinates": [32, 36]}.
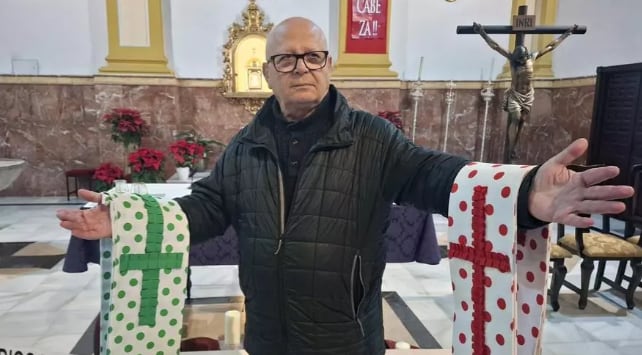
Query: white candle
{"type": "Point", "coordinates": [421, 65]}
{"type": "Point", "coordinates": [232, 327]}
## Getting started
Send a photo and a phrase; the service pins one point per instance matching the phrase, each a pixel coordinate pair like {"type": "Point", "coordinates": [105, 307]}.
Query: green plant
{"type": "Point", "coordinates": [208, 145]}
{"type": "Point", "coordinates": [192, 137]}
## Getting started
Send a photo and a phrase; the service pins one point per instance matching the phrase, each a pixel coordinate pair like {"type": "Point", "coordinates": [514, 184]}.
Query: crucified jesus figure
{"type": "Point", "coordinates": [520, 96]}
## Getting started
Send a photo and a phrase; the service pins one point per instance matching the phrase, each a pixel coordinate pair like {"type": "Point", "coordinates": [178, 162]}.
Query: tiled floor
{"type": "Point", "coordinates": [46, 309]}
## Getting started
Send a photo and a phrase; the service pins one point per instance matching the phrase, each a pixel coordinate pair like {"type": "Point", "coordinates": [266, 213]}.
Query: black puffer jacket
{"type": "Point", "coordinates": [313, 283]}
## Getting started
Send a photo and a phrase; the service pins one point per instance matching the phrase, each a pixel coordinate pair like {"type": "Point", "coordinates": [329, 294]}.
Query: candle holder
{"type": "Point", "coordinates": [487, 95]}
{"type": "Point", "coordinates": [450, 99]}
{"type": "Point", "coordinates": [416, 94]}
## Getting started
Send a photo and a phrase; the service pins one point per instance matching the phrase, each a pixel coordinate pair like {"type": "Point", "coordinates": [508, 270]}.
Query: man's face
{"type": "Point", "coordinates": [294, 83]}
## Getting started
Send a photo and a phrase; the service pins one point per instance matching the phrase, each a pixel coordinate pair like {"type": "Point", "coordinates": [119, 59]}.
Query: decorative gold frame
{"type": "Point", "coordinates": [253, 24]}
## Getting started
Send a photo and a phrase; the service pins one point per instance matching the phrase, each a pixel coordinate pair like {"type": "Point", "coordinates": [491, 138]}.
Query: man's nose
{"type": "Point", "coordinates": [300, 67]}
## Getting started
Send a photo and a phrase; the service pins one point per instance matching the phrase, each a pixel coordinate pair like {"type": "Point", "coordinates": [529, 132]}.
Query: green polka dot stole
{"type": "Point", "coordinates": [144, 275]}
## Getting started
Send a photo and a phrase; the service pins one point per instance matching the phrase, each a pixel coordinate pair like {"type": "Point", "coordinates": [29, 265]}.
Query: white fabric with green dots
{"type": "Point", "coordinates": [144, 275]}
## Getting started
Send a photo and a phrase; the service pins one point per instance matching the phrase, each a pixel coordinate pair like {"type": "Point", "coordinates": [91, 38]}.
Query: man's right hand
{"type": "Point", "coordinates": [93, 223]}
{"type": "Point", "coordinates": [477, 27]}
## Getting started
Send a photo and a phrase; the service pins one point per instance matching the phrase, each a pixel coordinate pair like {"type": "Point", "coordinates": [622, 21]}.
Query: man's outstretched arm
{"type": "Point", "coordinates": [205, 206]}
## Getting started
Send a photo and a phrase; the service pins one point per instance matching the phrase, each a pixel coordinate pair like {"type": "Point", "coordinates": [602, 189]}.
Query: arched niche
{"type": "Point", "coordinates": [248, 61]}
{"type": "Point", "coordinates": [243, 56]}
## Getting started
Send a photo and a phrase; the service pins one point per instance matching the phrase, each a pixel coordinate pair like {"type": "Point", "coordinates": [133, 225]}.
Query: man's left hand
{"type": "Point", "coordinates": [559, 195]}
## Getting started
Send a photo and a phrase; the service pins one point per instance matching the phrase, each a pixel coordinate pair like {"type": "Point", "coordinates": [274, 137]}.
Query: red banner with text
{"type": "Point", "coordinates": [367, 26]}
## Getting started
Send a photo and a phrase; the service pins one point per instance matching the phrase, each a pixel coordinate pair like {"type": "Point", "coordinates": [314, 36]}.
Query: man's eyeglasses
{"type": "Point", "coordinates": [286, 63]}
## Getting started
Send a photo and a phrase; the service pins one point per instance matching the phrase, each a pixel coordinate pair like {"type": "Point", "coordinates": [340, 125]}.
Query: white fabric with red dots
{"type": "Point", "coordinates": [499, 273]}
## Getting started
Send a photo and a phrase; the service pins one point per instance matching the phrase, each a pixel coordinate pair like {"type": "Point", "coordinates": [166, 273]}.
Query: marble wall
{"type": "Point", "coordinates": [559, 116]}
{"type": "Point", "coordinates": [57, 126]}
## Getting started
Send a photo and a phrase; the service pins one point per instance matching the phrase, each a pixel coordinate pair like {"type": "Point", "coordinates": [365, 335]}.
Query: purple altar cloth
{"type": "Point", "coordinates": [410, 237]}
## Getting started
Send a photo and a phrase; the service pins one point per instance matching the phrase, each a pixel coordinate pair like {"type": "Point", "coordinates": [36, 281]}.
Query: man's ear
{"type": "Point", "coordinates": [330, 64]}
{"type": "Point", "coordinates": [265, 71]}
{"type": "Point", "coordinates": [266, 66]}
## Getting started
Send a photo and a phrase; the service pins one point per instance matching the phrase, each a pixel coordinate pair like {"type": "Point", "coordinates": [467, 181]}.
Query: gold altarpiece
{"type": "Point", "coordinates": [243, 58]}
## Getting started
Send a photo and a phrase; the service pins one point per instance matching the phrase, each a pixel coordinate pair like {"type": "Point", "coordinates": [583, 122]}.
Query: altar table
{"type": "Point", "coordinates": [410, 237]}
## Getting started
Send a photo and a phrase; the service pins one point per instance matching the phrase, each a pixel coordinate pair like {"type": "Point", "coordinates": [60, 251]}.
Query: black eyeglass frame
{"type": "Point", "coordinates": [296, 60]}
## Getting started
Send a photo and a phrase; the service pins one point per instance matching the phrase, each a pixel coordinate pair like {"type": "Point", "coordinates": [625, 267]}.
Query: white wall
{"type": "Point", "coordinates": [55, 34]}
{"type": "Point", "coordinates": [419, 27]}
{"type": "Point", "coordinates": [69, 37]}
{"type": "Point", "coordinates": [613, 36]}
{"type": "Point", "coordinates": [431, 32]}
{"type": "Point", "coordinates": [199, 29]}
{"type": "Point", "coordinates": [399, 31]}
{"type": "Point", "coordinates": [167, 32]}
{"type": "Point", "coordinates": [99, 37]}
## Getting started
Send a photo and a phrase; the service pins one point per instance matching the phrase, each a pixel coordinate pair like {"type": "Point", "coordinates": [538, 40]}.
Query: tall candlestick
{"type": "Point", "coordinates": [421, 65]}
{"type": "Point", "coordinates": [450, 98]}
{"type": "Point", "coordinates": [487, 94]}
{"type": "Point", "coordinates": [416, 94]}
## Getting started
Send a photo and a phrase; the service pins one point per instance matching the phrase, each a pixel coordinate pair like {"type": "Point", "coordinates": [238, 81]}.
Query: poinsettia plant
{"type": "Point", "coordinates": [147, 165]}
{"type": "Point", "coordinates": [127, 126]}
{"type": "Point", "coordinates": [208, 146]}
{"type": "Point", "coordinates": [185, 153]}
{"type": "Point", "coordinates": [393, 116]}
{"type": "Point", "coordinates": [105, 175]}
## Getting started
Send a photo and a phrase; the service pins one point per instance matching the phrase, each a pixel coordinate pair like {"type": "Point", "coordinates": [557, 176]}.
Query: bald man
{"type": "Point", "coordinates": [308, 186]}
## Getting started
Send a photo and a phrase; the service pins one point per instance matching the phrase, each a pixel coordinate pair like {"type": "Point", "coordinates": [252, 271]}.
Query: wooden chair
{"type": "Point", "coordinates": [591, 246]}
{"type": "Point", "coordinates": [78, 175]}
{"type": "Point", "coordinates": [630, 228]}
{"type": "Point", "coordinates": [621, 270]}
{"type": "Point", "coordinates": [558, 255]}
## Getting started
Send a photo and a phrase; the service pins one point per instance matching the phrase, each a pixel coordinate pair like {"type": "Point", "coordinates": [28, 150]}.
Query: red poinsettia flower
{"type": "Point", "coordinates": [185, 153]}
{"type": "Point", "coordinates": [105, 175]}
{"type": "Point", "coordinates": [127, 126]}
{"type": "Point", "coordinates": [146, 165]}
{"type": "Point", "coordinates": [393, 116]}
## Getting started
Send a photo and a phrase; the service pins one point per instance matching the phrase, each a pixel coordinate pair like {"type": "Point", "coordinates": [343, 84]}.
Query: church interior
{"type": "Point", "coordinates": [118, 93]}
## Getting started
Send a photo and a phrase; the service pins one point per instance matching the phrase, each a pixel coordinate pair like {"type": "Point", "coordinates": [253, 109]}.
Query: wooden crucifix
{"type": "Point", "coordinates": [519, 97]}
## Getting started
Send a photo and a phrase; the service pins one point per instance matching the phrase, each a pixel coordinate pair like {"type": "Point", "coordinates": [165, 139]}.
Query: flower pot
{"type": "Point", "coordinates": [182, 173]}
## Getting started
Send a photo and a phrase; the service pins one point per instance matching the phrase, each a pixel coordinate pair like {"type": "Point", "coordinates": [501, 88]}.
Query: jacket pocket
{"type": "Point", "coordinates": [357, 290]}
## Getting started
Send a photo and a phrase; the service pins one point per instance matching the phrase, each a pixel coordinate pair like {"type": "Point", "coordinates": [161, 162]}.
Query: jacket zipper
{"type": "Point", "coordinates": [281, 213]}
{"type": "Point", "coordinates": [355, 310]}
{"type": "Point", "coordinates": [314, 149]}
{"type": "Point", "coordinates": [277, 252]}
{"type": "Point", "coordinates": [279, 266]}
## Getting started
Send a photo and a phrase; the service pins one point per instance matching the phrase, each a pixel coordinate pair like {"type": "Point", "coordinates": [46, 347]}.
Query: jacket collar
{"type": "Point", "coordinates": [340, 134]}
